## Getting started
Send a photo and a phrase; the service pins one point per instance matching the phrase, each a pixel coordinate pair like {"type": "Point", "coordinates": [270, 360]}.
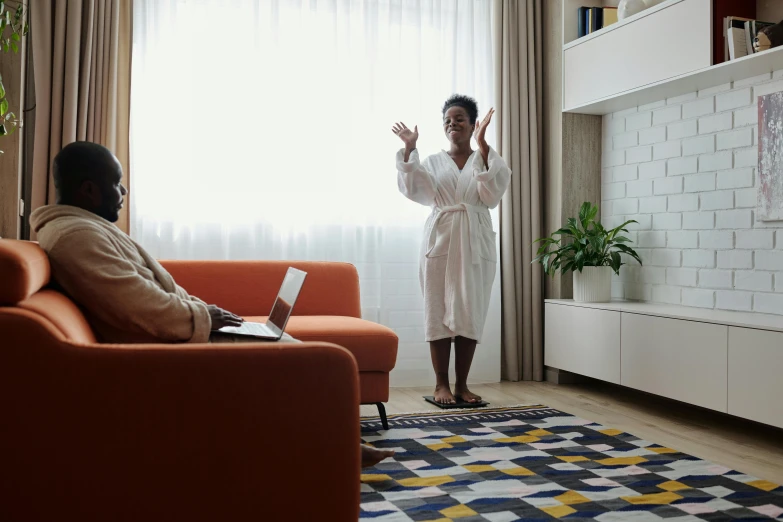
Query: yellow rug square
{"type": "Point", "coordinates": [764, 484]}
{"type": "Point", "coordinates": [662, 450]}
{"type": "Point", "coordinates": [539, 433]}
{"type": "Point", "coordinates": [558, 511]}
{"type": "Point", "coordinates": [622, 461]}
{"type": "Point", "coordinates": [380, 477]}
{"type": "Point", "coordinates": [518, 472]}
{"type": "Point", "coordinates": [611, 432]}
{"type": "Point", "coordinates": [425, 481]}
{"type": "Point", "coordinates": [455, 438]}
{"type": "Point", "coordinates": [571, 497]}
{"type": "Point", "coordinates": [439, 446]}
{"type": "Point", "coordinates": [458, 511]}
{"type": "Point", "coordinates": [653, 498]}
{"type": "Point", "coordinates": [673, 485]}
{"type": "Point", "coordinates": [479, 468]}
{"type": "Point", "coordinates": [573, 458]}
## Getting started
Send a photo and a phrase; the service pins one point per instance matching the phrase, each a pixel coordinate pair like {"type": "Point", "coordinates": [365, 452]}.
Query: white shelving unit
{"type": "Point", "coordinates": [662, 52]}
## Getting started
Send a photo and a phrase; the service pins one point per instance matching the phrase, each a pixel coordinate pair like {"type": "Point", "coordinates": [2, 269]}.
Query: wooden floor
{"type": "Point", "coordinates": [746, 446]}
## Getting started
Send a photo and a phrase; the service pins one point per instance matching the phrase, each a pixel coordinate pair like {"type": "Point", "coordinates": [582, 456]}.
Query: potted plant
{"type": "Point", "coordinates": [585, 247]}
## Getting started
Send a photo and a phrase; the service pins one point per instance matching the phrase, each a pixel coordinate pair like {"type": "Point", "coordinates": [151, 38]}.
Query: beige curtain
{"type": "Point", "coordinates": [519, 72]}
{"type": "Point", "coordinates": [81, 61]}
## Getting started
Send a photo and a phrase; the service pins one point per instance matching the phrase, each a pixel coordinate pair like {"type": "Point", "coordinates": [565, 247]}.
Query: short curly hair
{"type": "Point", "coordinates": [466, 102]}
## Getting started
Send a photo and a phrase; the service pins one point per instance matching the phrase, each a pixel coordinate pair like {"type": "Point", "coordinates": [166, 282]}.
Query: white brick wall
{"type": "Point", "coordinates": [686, 169]}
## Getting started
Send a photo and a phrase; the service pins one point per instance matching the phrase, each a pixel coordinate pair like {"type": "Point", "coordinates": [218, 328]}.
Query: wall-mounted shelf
{"type": "Point", "coordinates": [732, 71]}
{"type": "Point", "coordinates": [662, 52]}
{"type": "Point", "coordinates": [569, 20]}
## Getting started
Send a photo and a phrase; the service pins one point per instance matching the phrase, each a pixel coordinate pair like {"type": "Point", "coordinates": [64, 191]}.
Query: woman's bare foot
{"type": "Point", "coordinates": [443, 394]}
{"type": "Point", "coordinates": [372, 456]}
{"type": "Point", "coordinates": [465, 394]}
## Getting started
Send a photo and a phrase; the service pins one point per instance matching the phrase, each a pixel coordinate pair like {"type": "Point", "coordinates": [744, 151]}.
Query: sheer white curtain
{"type": "Point", "coordinates": [261, 130]}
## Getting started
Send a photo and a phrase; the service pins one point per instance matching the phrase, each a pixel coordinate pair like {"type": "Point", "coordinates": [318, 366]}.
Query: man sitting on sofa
{"type": "Point", "coordinates": [126, 295]}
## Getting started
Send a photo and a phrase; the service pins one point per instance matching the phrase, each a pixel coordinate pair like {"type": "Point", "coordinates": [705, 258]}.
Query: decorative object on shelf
{"type": "Point", "coordinates": [628, 8]}
{"type": "Point", "coordinates": [585, 247]}
{"type": "Point", "coordinates": [770, 192]}
{"type": "Point", "coordinates": [769, 37]}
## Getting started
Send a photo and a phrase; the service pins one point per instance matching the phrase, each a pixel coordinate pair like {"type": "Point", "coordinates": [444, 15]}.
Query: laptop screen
{"type": "Point", "coordinates": [286, 298]}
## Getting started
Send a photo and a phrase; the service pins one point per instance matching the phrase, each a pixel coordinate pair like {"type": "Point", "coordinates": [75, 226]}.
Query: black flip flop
{"type": "Point", "coordinates": [459, 404]}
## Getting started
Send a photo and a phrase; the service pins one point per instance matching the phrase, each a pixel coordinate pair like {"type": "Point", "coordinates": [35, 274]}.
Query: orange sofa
{"type": "Point", "coordinates": [96, 432]}
{"type": "Point", "coordinates": [328, 309]}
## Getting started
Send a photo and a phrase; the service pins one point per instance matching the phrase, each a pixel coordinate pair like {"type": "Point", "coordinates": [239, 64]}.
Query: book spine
{"type": "Point", "coordinates": [595, 20]}
{"type": "Point", "coordinates": [581, 28]}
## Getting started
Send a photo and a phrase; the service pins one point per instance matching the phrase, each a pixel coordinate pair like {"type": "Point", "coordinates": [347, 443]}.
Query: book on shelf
{"type": "Point", "coordinates": [581, 21]}
{"type": "Point", "coordinates": [592, 19]}
{"type": "Point", "coordinates": [735, 37]}
{"type": "Point", "coordinates": [610, 16]}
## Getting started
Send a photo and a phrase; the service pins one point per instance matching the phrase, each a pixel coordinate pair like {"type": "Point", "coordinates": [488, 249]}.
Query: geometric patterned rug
{"type": "Point", "coordinates": [534, 463]}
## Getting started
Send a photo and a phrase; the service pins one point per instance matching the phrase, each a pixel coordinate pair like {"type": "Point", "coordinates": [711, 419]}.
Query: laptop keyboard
{"type": "Point", "coordinates": [259, 329]}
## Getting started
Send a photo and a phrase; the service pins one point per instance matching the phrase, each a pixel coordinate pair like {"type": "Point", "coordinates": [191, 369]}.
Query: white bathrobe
{"type": "Point", "coordinates": [458, 252]}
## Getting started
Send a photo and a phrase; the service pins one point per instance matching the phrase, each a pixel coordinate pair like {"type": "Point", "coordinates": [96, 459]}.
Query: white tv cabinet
{"type": "Point", "coordinates": [730, 362]}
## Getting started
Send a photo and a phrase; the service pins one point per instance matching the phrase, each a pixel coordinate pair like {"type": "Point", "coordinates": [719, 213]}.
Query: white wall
{"type": "Point", "coordinates": [685, 168]}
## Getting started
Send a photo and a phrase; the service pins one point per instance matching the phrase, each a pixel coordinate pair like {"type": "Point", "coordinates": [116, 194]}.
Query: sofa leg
{"type": "Point", "coordinates": [382, 412]}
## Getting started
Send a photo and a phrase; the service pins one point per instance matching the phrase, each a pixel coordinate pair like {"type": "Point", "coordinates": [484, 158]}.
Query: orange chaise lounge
{"type": "Point", "coordinates": [241, 432]}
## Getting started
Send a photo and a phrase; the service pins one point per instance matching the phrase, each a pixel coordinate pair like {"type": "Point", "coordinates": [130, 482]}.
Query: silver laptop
{"type": "Point", "coordinates": [278, 318]}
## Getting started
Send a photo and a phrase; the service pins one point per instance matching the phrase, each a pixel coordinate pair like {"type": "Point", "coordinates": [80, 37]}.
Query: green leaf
{"type": "Point", "coordinates": [616, 263]}
{"type": "Point", "coordinates": [26, 29]}
{"type": "Point", "coordinates": [2, 6]}
{"type": "Point", "coordinates": [3, 107]}
{"type": "Point", "coordinates": [15, 36]}
{"type": "Point", "coordinates": [2, 89]}
{"type": "Point", "coordinates": [14, 47]}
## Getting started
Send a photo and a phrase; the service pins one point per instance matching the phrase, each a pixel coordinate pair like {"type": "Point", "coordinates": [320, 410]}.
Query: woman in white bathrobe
{"type": "Point", "coordinates": [458, 256]}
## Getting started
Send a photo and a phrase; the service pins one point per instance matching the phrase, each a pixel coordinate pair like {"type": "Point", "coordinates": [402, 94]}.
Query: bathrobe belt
{"type": "Point", "coordinates": [472, 211]}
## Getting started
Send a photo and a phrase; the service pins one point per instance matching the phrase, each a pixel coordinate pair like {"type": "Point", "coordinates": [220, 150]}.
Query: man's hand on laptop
{"type": "Point", "coordinates": [222, 318]}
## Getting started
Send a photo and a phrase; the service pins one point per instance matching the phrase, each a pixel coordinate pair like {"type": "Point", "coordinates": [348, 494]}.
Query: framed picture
{"type": "Point", "coordinates": [770, 193]}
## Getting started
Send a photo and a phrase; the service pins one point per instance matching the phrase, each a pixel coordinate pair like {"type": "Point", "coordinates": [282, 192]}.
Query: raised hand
{"type": "Point", "coordinates": [481, 128]}
{"type": "Point", "coordinates": [408, 137]}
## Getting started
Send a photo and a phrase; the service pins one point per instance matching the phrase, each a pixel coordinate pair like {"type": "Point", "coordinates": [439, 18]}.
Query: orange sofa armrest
{"type": "Point", "coordinates": [177, 432]}
{"type": "Point", "coordinates": [249, 288]}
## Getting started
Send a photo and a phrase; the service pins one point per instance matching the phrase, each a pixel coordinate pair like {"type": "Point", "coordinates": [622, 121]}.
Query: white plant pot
{"type": "Point", "coordinates": [593, 284]}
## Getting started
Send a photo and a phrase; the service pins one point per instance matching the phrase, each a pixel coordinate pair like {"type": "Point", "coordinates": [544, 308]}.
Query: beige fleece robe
{"type": "Point", "coordinates": [126, 295]}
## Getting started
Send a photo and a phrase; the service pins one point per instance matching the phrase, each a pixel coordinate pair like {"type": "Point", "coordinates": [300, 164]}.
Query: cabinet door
{"type": "Point", "coordinates": [660, 45]}
{"type": "Point", "coordinates": [683, 360]}
{"type": "Point", "coordinates": [583, 340]}
{"type": "Point", "coordinates": [756, 375]}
